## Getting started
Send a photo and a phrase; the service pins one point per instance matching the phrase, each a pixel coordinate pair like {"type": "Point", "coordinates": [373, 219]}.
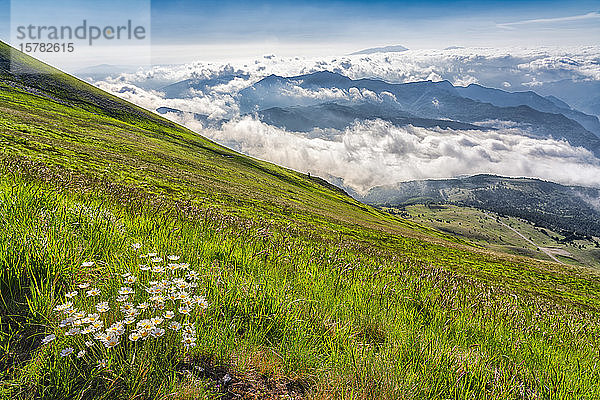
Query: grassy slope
{"type": "Point", "coordinates": [125, 143]}
{"type": "Point", "coordinates": [482, 228]}
{"type": "Point", "coordinates": [306, 285]}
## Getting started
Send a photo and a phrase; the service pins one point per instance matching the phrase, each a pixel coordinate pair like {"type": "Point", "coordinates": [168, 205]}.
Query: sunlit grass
{"type": "Point", "coordinates": [341, 321]}
{"type": "Point", "coordinates": [283, 286]}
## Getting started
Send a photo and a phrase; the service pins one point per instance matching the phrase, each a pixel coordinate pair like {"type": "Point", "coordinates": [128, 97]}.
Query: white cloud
{"type": "Point", "coordinates": [214, 105]}
{"type": "Point", "coordinates": [375, 153]}
{"type": "Point", "coordinates": [512, 25]}
{"type": "Point", "coordinates": [489, 66]}
{"type": "Point", "coordinates": [465, 80]}
{"type": "Point", "coordinates": [372, 153]}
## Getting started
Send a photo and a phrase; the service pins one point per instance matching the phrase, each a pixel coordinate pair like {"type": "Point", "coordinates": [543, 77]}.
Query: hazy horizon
{"type": "Point", "coordinates": [186, 31]}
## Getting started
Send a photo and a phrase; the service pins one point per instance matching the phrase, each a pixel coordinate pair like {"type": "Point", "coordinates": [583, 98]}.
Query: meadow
{"type": "Point", "coordinates": [284, 287]}
{"type": "Point", "coordinates": [486, 229]}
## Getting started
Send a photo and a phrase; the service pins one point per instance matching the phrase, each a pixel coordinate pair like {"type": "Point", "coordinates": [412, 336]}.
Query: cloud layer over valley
{"type": "Point", "coordinates": [372, 153]}
{"type": "Point", "coordinates": [375, 152]}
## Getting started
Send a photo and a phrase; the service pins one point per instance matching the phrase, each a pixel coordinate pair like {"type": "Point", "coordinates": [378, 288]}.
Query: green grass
{"type": "Point", "coordinates": [484, 229]}
{"type": "Point", "coordinates": [344, 321]}
{"type": "Point", "coordinates": [310, 292]}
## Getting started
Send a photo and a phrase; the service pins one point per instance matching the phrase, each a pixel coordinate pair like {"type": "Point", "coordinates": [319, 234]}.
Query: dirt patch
{"type": "Point", "coordinates": [557, 251]}
{"type": "Point", "coordinates": [231, 384]}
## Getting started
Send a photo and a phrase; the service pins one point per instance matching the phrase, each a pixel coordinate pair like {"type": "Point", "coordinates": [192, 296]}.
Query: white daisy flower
{"type": "Point", "coordinates": [73, 331]}
{"type": "Point", "coordinates": [48, 338]}
{"type": "Point", "coordinates": [102, 336]}
{"type": "Point", "coordinates": [188, 342]}
{"type": "Point", "coordinates": [87, 330]}
{"type": "Point", "coordinates": [184, 310]}
{"type": "Point", "coordinates": [157, 269]}
{"type": "Point", "coordinates": [111, 342]}
{"type": "Point", "coordinates": [136, 246]}
{"type": "Point", "coordinates": [116, 329]}
{"type": "Point", "coordinates": [89, 343]}
{"type": "Point", "coordinates": [63, 307]}
{"type": "Point", "coordinates": [175, 325]}
{"type": "Point", "coordinates": [173, 257]}
{"type": "Point", "coordinates": [83, 285]}
{"type": "Point", "coordinates": [103, 307]}
{"type": "Point", "coordinates": [81, 354]}
{"type": "Point", "coordinates": [144, 333]}
{"type": "Point", "coordinates": [157, 332]}
{"type": "Point", "coordinates": [91, 318]}
{"type": "Point", "coordinates": [125, 290]}
{"type": "Point", "coordinates": [87, 264]}
{"type": "Point", "coordinates": [158, 298]}
{"type": "Point", "coordinates": [181, 285]}
{"type": "Point", "coordinates": [144, 267]}
{"type": "Point", "coordinates": [202, 303]}
{"type": "Point", "coordinates": [153, 290]}
{"type": "Point", "coordinates": [134, 336]}
{"type": "Point", "coordinates": [79, 315]}
{"type": "Point", "coordinates": [172, 267]}
{"type": "Point", "coordinates": [189, 328]}
{"type": "Point", "coordinates": [192, 275]}
{"type": "Point", "coordinates": [169, 314]}
{"type": "Point", "coordinates": [92, 292]}
{"type": "Point", "coordinates": [97, 325]}
{"type": "Point", "coordinates": [144, 324]}
{"type": "Point", "coordinates": [72, 294]}
{"type": "Point", "coordinates": [66, 352]}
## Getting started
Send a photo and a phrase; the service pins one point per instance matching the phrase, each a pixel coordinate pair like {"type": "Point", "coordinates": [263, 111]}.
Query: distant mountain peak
{"type": "Point", "coordinates": [385, 49]}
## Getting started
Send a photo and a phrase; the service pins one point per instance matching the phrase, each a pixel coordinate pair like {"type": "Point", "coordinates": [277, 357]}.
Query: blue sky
{"type": "Point", "coordinates": [221, 27]}
{"type": "Point", "coordinates": [414, 24]}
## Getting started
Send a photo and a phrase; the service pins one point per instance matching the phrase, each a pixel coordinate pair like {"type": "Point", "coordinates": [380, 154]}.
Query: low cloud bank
{"type": "Point", "coordinates": [514, 68]}
{"type": "Point", "coordinates": [372, 153]}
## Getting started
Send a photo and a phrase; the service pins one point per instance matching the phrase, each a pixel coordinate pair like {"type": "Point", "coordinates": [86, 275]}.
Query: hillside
{"type": "Point", "coordinates": [504, 233]}
{"type": "Point", "coordinates": [571, 210]}
{"type": "Point", "coordinates": [282, 285]}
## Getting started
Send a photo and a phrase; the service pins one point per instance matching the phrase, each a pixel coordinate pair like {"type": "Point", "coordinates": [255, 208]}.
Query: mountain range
{"type": "Point", "coordinates": [536, 115]}
{"type": "Point", "coordinates": [384, 49]}
{"type": "Point", "coordinates": [330, 100]}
